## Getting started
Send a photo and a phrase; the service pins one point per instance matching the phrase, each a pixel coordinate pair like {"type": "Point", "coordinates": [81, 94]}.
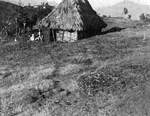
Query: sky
{"type": "Point", "coordinates": [95, 3]}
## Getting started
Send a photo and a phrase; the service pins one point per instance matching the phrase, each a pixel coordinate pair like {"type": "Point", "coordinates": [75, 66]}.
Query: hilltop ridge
{"type": "Point", "coordinates": [134, 9]}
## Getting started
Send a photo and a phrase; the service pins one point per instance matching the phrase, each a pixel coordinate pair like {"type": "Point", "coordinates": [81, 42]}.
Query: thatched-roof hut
{"type": "Point", "coordinates": [72, 20]}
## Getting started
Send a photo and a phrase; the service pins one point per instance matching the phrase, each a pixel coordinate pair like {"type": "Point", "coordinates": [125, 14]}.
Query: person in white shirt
{"type": "Point", "coordinates": [32, 38]}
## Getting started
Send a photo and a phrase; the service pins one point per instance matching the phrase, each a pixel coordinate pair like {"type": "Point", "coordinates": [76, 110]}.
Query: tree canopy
{"type": "Point", "coordinates": [125, 11]}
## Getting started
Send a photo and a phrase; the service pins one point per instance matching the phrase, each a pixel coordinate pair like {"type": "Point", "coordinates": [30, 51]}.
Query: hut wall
{"type": "Point", "coordinates": [66, 36]}
{"type": "Point", "coordinates": [59, 35]}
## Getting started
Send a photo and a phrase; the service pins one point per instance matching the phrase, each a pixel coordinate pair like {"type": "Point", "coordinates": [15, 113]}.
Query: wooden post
{"type": "Point", "coordinates": [144, 34]}
{"type": "Point", "coordinates": [70, 37]}
{"type": "Point", "coordinates": [53, 35]}
{"type": "Point", "coordinates": [77, 35]}
{"type": "Point", "coordinates": [50, 34]}
{"type": "Point", "coordinates": [63, 36]}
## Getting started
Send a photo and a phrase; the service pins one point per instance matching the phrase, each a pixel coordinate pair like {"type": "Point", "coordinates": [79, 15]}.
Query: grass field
{"type": "Point", "coordinates": [105, 75]}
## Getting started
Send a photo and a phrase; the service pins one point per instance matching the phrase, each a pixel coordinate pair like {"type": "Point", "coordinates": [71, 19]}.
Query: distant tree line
{"type": "Point", "coordinates": [145, 17]}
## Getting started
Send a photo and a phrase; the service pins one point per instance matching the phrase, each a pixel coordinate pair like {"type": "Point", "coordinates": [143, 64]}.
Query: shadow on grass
{"type": "Point", "coordinates": [112, 30]}
{"type": "Point", "coordinates": [99, 32]}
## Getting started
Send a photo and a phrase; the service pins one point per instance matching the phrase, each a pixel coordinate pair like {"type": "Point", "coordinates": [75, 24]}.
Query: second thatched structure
{"type": "Point", "coordinates": [72, 20]}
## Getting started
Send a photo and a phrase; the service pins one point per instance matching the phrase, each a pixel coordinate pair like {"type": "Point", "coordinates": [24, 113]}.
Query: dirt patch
{"type": "Point", "coordinates": [69, 68]}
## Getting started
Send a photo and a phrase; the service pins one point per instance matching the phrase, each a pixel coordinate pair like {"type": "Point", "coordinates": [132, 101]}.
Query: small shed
{"type": "Point", "coordinates": [72, 20]}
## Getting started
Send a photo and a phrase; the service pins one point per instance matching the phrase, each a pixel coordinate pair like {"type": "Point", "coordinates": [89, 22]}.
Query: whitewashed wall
{"type": "Point", "coordinates": [66, 36]}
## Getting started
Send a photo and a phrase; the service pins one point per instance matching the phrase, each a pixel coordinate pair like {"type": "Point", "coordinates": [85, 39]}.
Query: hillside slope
{"type": "Point", "coordinates": [106, 75]}
{"type": "Point", "coordinates": [7, 8]}
{"type": "Point", "coordinates": [116, 10]}
{"type": "Point", "coordinates": [7, 11]}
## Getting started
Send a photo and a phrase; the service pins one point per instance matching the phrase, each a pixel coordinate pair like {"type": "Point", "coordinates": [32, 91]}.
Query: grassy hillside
{"type": "Point", "coordinates": [116, 10]}
{"type": "Point", "coordinates": [7, 8]}
{"type": "Point", "coordinates": [7, 11]}
{"type": "Point", "coordinates": [105, 75]}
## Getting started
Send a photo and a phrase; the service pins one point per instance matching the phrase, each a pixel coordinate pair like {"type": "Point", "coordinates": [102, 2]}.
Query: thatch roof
{"type": "Point", "coordinates": [75, 15]}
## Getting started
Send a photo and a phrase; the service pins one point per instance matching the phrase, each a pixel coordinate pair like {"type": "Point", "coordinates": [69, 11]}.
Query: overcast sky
{"type": "Point", "coordinates": [94, 3]}
{"type": "Point", "coordinates": [101, 3]}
